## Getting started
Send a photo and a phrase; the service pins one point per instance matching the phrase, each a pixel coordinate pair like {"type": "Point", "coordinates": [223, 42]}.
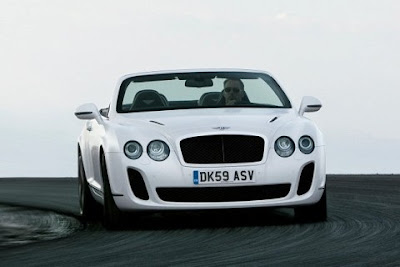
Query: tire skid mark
{"type": "Point", "coordinates": [20, 226]}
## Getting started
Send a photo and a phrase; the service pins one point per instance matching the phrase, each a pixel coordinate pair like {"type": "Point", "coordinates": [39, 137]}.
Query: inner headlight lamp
{"type": "Point", "coordinates": [158, 150]}
{"type": "Point", "coordinates": [284, 146]}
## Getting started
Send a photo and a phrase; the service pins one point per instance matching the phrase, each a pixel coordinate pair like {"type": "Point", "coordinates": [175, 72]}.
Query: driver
{"type": "Point", "coordinates": [233, 92]}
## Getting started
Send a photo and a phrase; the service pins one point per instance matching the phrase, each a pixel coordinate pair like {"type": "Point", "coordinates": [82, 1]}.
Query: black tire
{"type": "Point", "coordinates": [89, 208]}
{"type": "Point", "coordinates": [111, 213]}
{"type": "Point", "coordinates": [313, 213]}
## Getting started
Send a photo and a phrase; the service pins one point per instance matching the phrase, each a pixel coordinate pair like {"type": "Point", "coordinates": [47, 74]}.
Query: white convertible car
{"type": "Point", "coordinates": [200, 139]}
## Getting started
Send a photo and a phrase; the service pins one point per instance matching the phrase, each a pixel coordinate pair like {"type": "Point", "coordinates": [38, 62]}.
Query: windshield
{"type": "Point", "coordinates": [200, 90]}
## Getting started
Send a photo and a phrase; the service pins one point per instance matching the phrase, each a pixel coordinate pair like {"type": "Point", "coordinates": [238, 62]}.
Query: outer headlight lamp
{"type": "Point", "coordinates": [306, 144]}
{"type": "Point", "coordinates": [133, 150]}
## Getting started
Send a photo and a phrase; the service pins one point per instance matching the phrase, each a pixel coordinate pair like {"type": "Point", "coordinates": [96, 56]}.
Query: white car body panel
{"type": "Point", "coordinates": [172, 126]}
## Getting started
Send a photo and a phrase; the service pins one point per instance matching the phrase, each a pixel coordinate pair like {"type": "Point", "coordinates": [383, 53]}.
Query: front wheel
{"type": "Point", "coordinates": [89, 208]}
{"type": "Point", "coordinates": [111, 213]}
{"type": "Point", "coordinates": [313, 213]}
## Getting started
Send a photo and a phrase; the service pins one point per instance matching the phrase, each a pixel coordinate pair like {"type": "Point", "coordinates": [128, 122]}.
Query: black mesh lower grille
{"type": "Point", "coordinates": [137, 184]}
{"type": "Point", "coordinates": [306, 178]}
{"type": "Point", "coordinates": [223, 194]}
{"type": "Point", "coordinates": [222, 149]}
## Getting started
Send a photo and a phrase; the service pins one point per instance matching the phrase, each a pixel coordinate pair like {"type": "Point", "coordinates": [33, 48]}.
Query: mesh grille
{"type": "Point", "coordinates": [222, 149]}
{"type": "Point", "coordinates": [223, 194]}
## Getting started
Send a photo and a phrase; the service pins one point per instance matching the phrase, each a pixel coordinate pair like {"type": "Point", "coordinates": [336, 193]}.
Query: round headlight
{"type": "Point", "coordinates": [306, 144]}
{"type": "Point", "coordinates": [158, 150]}
{"type": "Point", "coordinates": [284, 146]}
{"type": "Point", "coordinates": [133, 150]}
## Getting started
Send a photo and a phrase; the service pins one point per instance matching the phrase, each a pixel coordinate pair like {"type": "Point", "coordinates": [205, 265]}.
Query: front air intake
{"type": "Point", "coordinates": [223, 194]}
{"type": "Point", "coordinates": [138, 185]}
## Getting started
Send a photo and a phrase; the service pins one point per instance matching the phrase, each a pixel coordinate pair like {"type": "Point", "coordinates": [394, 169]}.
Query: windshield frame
{"type": "Point", "coordinates": [204, 74]}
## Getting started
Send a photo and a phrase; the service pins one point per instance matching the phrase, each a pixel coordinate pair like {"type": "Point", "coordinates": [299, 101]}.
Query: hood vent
{"type": "Point", "coordinates": [156, 122]}
{"type": "Point", "coordinates": [274, 119]}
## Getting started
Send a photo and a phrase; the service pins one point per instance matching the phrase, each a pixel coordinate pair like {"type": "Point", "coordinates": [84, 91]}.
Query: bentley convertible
{"type": "Point", "coordinates": [200, 139]}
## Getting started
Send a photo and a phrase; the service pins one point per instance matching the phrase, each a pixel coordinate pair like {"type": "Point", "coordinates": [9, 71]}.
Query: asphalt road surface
{"type": "Point", "coordinates": [362, 229]}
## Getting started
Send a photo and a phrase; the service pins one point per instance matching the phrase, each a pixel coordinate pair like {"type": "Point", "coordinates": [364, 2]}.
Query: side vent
{"type": "Point", "coordinates": [306, 178]}
{"type": "Point", "coordinates": [137, 184]}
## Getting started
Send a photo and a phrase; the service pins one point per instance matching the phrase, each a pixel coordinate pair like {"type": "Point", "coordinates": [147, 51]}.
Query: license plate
{"type": "Point", "coordinates": [222, 177]}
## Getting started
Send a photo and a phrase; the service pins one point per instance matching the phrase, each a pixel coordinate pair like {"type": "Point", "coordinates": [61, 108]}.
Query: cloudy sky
{"type": "Point", "coordinates": [56, 55]}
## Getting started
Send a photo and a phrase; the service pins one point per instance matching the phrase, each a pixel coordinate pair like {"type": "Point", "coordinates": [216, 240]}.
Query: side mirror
{"type": "Point", "coordinates": [104, 112]}
{"type": "Point", "coordinates": [88, 112]}
{"type": "Point", "coordinates": [309, 104]}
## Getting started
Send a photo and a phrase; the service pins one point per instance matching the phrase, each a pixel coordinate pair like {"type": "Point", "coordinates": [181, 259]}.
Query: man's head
{"type": "Point", "coordinates": [233, 91]}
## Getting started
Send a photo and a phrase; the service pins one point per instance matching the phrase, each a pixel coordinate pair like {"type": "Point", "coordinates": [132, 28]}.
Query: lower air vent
{"type": "Point", "coordinates": [223, 194]}
{"type": "Point", "coordinates": [306, 179]}
{"type": "Point", "coordinates": [137, 184]}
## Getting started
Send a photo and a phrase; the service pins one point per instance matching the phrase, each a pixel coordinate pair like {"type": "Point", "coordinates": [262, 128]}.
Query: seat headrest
{"type": "Point", "coordinates": [147, 99]}
{"type": "Point", "coordinates": [210, 99]}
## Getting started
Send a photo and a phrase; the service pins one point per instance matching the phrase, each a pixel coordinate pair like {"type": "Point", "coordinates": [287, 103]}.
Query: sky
{"type": "Point", "coordinates": [56, 55]}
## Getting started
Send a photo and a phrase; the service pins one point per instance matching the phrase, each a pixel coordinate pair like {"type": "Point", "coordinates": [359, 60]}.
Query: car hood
{"type": "Point", "coordinates": [178, 124]}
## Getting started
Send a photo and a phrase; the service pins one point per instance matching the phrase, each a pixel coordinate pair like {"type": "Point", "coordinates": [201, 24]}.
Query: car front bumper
{"type": "Point", "coordinates": [171, 174]}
